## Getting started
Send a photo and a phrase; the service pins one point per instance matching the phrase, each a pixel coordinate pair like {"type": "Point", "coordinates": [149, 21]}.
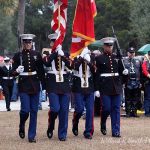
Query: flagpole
{"type": "Point", "coordinates": [60, 78]}
{"type": "Point", "coordinates": [59, 14]}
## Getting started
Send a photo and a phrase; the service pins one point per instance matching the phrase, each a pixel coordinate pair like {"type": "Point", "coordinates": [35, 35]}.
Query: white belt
{"type": "Point", "coordinates": [28, 73]}
{"type": "Point", "coordinates": [7, 78]}
{"type": "Point", "coordinates": [109, 74]}
{"type": "Point", "coordinates": [57, 72]}
{"type": "Point", "coordinates": [78, 75]}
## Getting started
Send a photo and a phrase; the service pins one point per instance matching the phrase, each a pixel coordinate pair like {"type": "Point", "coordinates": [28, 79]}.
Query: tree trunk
{"type": "Point", "coordinates": [21, 16]}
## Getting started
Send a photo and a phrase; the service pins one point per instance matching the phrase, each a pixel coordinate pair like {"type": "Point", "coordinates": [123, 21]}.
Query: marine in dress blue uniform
{"type": "Point", "coordinates": [7, 81]}
{"type": "Point", "coordinates": [108, 82]}
{"type": "Point", "coordinates": [28, 65]}
{"type": "Point", "coordinates": [58, 89]}
{"type": "Point", "coordinates": [83, 89]}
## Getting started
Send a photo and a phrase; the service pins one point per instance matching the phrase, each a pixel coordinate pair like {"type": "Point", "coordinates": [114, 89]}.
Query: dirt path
{"type": "Point", "coordinates": [135, 135]}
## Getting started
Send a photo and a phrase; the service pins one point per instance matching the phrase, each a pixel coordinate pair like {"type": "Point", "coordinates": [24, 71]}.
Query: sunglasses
{"type": "Point", "coordinates": [108, 44]}
{"type": "Point", "coordinates": [27, 42]}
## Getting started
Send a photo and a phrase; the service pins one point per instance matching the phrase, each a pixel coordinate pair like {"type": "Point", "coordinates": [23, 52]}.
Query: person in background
{"type": "Point", "coordinates": [7, 81]}
{"type": "Point", "coordinates": [28, 65]}
{"type": "Point", "coordinates": [146, 73]}
{"type": "Point", "coordinates": [132, 83]}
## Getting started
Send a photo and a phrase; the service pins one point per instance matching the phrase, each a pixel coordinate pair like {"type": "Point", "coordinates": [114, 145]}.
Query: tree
{"type": "Point", "coordinates": [113, 13]}
{"type": "Point", "coordinates": [8, 7]}
{"type": "Point", "coordinates": [140, 19]}
{"type": "Point", "coordinates": [21, 16]}
{"type": "Point", "coordinates": [7, 39]}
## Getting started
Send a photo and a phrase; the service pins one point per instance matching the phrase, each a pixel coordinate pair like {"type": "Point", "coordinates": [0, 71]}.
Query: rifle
{"type": "Point", "coordinates": [119, 52]}
{"type": "Point", "coordinates": [19, 47]}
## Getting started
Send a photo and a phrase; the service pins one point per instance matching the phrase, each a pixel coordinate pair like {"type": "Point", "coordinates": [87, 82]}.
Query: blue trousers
{"type": "Point", "coordinates": [111, 106]}
{"type": "Point", "coordinates": [147, 99]}
{"type": "Point", "coordinates": [59, 103]}
{"type": "Point", "coordinates": [87, 101]}
{"type": "Point", "coordinates": [15, 91]}
{"type": "Point", "coordinates": [29, 105]}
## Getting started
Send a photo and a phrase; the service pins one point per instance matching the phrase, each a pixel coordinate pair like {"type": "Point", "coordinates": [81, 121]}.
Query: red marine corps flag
{"type": "Point", "coordinates": [59, 21]}
{"type": "Point", "coordinates": [83, 26]}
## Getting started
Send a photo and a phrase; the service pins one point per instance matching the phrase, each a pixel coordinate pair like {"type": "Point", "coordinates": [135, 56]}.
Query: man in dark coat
{"type": "Point", "coordinates": [7, 81]}
{"type": "Point", "coordinates": [28, 65]}
{"type": "Point", "coordinates": [132, 83]}
{"type": "Point", "coordinates": [108, 84]}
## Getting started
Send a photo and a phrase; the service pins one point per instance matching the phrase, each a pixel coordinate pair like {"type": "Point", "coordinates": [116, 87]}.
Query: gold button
{"type": "Point", "coordinates": [29, 69]}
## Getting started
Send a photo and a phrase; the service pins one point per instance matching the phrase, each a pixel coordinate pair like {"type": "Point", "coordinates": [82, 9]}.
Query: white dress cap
{"type": "Point", "coordinates": [27, 36]}
{"type": "Point", "coordinates": [108, 40]}
{"type": "Point", "coordinates": [6, 58]}
{"type": "Point", "coordinates": [53, 36]}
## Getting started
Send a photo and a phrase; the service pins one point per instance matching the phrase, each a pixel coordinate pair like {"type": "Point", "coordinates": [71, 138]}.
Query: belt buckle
{"type": "Point", "coordinates": [83, 76]}
{"type": "Point", "coordinates": [112, 74]}
{"type": "Point", "coordinates": [29, 73]}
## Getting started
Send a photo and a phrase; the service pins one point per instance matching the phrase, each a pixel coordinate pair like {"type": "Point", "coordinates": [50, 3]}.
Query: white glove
{"type": "Point", "coordinates": [43, 91]}
{"type": "Point", "coordinates": [78, 56]}
{"type": "Point", "coordinates": [58, 48]}
{"type": "Point", "coordinates": [20, 69]}
{"type": "Point", "coordinates": [85, 51]}
{"type": "Point", "coordinates": [1, 87]}
{"type": "Point", "coordinates": [60, 52]}
{"type": "Point", "coordinates": [87, 57]}
{"type": "Point", "coordinates": [125, 72]}
{"type": "Point", "coordinates": [97, 94]}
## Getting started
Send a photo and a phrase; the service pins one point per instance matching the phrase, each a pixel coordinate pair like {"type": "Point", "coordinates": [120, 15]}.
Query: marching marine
{"type": "Point", "coordinates": [58, 89]}
{"type": "Point", "coordinates": [28, 65]}
{"type": "Point", "coordinates": [108, 84]}
{"type": "Point", "coordinates": [83, 90]}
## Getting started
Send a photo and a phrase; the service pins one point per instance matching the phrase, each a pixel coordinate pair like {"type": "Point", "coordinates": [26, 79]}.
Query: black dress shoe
{"type": "Point", "coordinates": [8, 109]}
{"type": "Point", "coordinates": [49, 134]}
{"type": "Point", "coordinates": [32, 140]}
{"type": "Point", "coordinates": [117, 135]}
{"type": "Point", "coordinates": [104, 131]}
{"type": "Point", "coordinates": [75, 131]}
{"type": "Point", "coordinates": [22, 133]}
{"type": "Point", "coordinates": [62, 139]}
{"type": "Point", "coordinates": [88, 136]}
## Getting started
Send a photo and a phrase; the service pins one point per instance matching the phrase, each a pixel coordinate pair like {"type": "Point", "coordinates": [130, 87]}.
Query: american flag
{"type": "Point", "coordinates": [59, 21]}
